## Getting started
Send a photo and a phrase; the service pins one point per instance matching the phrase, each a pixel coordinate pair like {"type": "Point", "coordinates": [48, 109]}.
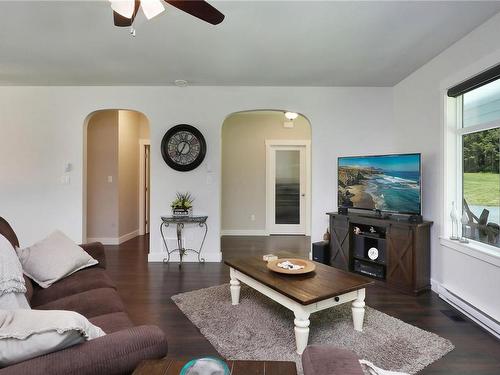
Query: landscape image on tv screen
{"type": "Point", "coordinates": [387, 183]}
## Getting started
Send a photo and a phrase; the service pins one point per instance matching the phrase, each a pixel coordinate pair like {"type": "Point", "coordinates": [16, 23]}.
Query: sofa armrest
{"type": "Point", "coordinates": [116, 353]}
{"type": "Point", "coordinates": [331, 360]}
{"type": "Point", "coordinates": [96, 251]}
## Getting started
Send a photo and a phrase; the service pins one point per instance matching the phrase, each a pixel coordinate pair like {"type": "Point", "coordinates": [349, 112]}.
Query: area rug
{"type": "Point", "coordinates": [261, 329]}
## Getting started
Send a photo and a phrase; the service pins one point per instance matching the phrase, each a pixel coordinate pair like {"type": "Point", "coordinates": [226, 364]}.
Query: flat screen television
{"type": "Point", "coordinates": [389, 183]}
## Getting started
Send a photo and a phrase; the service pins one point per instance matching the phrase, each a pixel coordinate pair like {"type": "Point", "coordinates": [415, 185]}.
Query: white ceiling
{"type": "Point", "coordinates": [260, 43]}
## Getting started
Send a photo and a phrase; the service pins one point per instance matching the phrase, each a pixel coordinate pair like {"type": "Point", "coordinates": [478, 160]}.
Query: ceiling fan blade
{"type": "Point", "coordinates": [122, 21]}
{"type": "Point", "coordinates": [200, 9]}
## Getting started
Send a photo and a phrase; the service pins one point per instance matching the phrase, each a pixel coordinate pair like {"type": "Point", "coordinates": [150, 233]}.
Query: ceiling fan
{"type": "Point", "coordinates": [124, 11]}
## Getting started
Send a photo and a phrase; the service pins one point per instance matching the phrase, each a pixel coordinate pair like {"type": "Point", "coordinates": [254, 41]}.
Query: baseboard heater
{"type": "Point", "coordinates": [484, 320]}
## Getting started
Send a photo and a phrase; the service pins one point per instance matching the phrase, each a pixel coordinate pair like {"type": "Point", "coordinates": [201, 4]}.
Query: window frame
{"type": "Point", "coordinates": [454, 171]}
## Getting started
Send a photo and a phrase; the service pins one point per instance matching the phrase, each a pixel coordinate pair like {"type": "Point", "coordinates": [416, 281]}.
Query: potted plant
{"type": "Point", "coordinates": [182, 205]}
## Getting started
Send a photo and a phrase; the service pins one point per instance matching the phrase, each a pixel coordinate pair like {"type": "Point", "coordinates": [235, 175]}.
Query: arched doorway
{"type": "Point", "coordinates": [266, 182]}
{"type": "Point", "coordinates": [116, 176]}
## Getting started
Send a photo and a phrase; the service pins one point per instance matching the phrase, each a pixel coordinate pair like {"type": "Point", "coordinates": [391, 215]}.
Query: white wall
{"type": "Point", "coordinates": [418, 124]}
{"type": "Point", "coordinates": [42, 128]}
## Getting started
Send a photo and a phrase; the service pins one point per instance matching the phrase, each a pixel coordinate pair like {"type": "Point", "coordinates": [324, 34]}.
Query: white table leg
{"type": "Point", "coordinates": [301, 330]}
{"type": "Point", "coordinates": [358, 310]}
{"type": "Point", "coordinates": [235, 288]}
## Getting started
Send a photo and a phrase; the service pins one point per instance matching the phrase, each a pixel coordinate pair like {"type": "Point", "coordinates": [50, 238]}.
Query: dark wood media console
{"type": "Point", "coordinates": [402, 257]}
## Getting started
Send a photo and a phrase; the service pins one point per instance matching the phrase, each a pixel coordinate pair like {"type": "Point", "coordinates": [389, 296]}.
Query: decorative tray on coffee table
{"type": "Point", "coordinates": [307, 265]}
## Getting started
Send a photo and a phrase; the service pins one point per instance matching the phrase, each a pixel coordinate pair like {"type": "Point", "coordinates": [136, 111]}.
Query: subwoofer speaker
{"type": "Point", "coordinates": [321, 252]}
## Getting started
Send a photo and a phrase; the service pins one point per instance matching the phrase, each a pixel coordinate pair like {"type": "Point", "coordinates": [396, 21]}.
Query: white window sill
{"type": "Point", "coordinates": [474, 249]}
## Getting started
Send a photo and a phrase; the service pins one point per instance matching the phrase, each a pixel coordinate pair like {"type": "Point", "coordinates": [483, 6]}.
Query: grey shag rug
{"type": "Point", "coordinates": [261, 329]}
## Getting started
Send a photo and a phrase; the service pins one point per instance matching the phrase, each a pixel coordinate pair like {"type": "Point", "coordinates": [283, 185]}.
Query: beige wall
{"type": "Point", "coordinates": [244, 165]}
{"type": "Point", "coordinates": [102, 161]}
{"type": "Point", "coordinates": [128, 172]}
{"type": "Point", "coordinates": [143, 125]}
{"type": "Point", "coordinates": [113, 150]}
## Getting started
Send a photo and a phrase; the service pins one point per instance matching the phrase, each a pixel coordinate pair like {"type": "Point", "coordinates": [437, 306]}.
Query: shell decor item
{"type": "Point", "coordinates": [454, 222]}
{"type": "Point", "coordinates": [287, 265]}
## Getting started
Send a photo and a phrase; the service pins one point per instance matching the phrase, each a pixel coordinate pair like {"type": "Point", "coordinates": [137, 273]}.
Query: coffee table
{"type": "Point", "coordinates": [170, 366]}
{"type": "Point", "coordinates": [303, 294]}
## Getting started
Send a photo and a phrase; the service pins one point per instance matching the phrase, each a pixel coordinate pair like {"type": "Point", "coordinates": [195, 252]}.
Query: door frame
{"type": "Point", "coordinates": [142, 192]}
{"type": "Point", "coordinates": [270, 143]}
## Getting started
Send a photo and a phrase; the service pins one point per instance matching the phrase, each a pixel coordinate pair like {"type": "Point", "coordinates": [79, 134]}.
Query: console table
{"type": "Point", "coordinates": [180, 221]}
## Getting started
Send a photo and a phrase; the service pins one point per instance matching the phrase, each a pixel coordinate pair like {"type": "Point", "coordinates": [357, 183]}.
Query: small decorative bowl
{"type": "Point", "coordinates": [205, 366]}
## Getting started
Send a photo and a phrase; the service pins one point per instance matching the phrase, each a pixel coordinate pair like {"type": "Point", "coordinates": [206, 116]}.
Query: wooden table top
{"type": "Point", "coordinates": [323, 283]}
{"type": "Point", "coordinates": [168, 366]}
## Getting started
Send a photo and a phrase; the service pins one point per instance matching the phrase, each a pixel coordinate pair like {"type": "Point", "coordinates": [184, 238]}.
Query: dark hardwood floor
{"type": "Point", "coordinates": [241, 246]}
{"type": "Point", "coordinates": [146, 289]}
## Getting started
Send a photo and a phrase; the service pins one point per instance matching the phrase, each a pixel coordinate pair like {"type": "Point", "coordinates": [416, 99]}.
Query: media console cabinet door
{"type": "Point", "coordinates": [339, 242]}
{"type": "Point", "coordinates": [400, 268]}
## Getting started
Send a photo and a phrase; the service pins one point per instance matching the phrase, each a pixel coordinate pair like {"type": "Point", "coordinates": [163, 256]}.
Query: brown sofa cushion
{"type": "Point", "coordinates": [113, 322]}
{"type": "Point", "coordinates": [331, 360]}
{"type": "Point", "coordinates": [113, 354]}
{"type": "Point", "coordinates": [81, 281]}
{"type": "Point", "coordinates": [91, 303]}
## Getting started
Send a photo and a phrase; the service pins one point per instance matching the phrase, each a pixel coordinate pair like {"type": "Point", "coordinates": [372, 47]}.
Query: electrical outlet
{"type": "Point", "coordinates": [252, 217]}
{"type": "Point", "coordinates": [110, 179]}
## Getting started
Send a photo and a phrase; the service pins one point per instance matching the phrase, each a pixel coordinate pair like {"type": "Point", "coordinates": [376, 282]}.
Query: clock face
{"type": "Point", "coordinates": [183, 147]}
{"type": "Point", "coordinates": [373, 253]}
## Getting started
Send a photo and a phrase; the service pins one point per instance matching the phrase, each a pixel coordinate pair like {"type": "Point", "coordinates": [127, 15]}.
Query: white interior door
{"type": "Point", "coordinates": [287, 191]}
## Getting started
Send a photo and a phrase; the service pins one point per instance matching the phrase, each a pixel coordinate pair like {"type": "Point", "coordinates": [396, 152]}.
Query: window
{"type": "Point", "coordinates": [478, 139]}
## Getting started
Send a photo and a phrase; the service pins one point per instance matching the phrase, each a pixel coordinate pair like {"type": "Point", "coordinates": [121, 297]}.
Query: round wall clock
{"type": "Point", "coordinates": [183, 147]}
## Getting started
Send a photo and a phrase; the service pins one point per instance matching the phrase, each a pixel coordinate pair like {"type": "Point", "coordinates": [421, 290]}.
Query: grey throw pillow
{"type": "Point", "coordinates": [53, 258]}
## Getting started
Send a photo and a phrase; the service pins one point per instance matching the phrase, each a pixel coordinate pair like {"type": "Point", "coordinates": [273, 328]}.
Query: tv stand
{"type": "Point", "coordinates": [393, 251]}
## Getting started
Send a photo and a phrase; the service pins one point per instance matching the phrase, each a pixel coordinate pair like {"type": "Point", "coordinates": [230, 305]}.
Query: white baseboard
{"type": "Point", "coordinates": [105, 240]}
{"type": "Point", "coordinates": [114, 240]}
{"type": "Point", "coordinates": [479, 317]}
{"type": "Point", "coordinates": [244, 232]}
{"type": "Point", "coordinates": [189, 258]}
{"type": "Point", "coordinates": [128, 236]}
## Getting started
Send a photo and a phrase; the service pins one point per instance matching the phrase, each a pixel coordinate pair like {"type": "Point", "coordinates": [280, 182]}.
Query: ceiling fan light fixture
{"type": "Point", "coordinates": [152, 8]}
{"type": "Point", "coordinates": [124, 8]}
{"type": "Point", "coordinates": [291, 115]}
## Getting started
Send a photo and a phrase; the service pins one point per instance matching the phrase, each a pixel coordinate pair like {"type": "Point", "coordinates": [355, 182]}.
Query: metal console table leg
{"type": "Point", "coordinates": [180, 222]}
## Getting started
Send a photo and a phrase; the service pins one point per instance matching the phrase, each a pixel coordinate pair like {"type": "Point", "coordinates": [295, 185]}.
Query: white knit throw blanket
{"type": "Point", "coordinates": [11, 271]}
{"type": "Point", "coordinates": [374, 370]}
